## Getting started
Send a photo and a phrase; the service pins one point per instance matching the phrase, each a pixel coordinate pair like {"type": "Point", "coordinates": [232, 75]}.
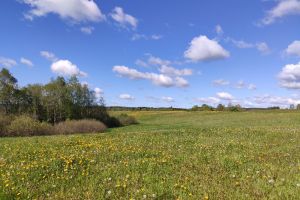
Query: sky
{"type": "Point", "coordinates": [159, 53]}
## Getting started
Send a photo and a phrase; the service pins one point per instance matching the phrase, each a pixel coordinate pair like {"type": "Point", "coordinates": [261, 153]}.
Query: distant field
{"type": "Point", "coordinates": [168, 155]}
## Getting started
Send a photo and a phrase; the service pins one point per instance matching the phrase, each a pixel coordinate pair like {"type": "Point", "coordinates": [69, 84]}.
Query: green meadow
{"type": "Point", "coordinates": [168, 155]}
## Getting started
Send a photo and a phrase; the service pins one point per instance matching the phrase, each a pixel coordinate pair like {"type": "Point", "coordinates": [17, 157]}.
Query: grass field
{"type": "Point", "coordinates": [169, 155]}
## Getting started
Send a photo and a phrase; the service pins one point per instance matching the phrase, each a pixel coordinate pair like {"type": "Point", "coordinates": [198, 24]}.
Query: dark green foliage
{"type": "Point", "coordinates": [220, 107]}
{"type": "Point", "coordinates": [54, 102]}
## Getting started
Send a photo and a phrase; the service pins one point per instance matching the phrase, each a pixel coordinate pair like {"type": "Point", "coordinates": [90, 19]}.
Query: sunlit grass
{"type": "Point", "coordinates": [169, 155]}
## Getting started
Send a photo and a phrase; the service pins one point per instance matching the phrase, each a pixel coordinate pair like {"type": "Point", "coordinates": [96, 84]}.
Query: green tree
{"type": "Point", "coordinates": [8, 88]}
{"type": "Point", "coordinates": [220, 107]}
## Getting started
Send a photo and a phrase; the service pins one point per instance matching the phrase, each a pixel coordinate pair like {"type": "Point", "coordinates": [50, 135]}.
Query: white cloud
{"type": "Point", "coordinates": [225, 96]}
{"type": "Point", "coordinates": [98, 92]}
{"type": "Point", "coordinates": [123, 19]}
{"type": "Point", "coordinates": [181, 82]}
{"type": "Point", "coordinates": [167, 99]}
{"type": "Point", "coordinates": [158, 61]}
{"type": "Point", "coordinates": [251, 86]}
{"type": "Point", "coordinates": [156, 79]}
{"type": "Point", "coordinates": [7, 62]}
{"type": "Point", "coordinates": [87, 29]}
{"type": "Point", "coordinates": [156, 37]}
{"type": "Point", "coordinates": [26, 62]}
{"type": "Point", "coordinates": [141, 63]}
{"type": "Point", "coordinates": [175, 72]}
{"type": "Point", "coordinates": [66, 68]}
{"type": "Point", "coordinates": [126, 97]}
{"type": "Point", "coordinates": [240, 85]}
{"type": "Point", "coordinates": [74, 10]}
{"type": "Point", "coordinates": [220, 82]}
{"type": "Point", "coordinates": [129, 73]}
{"type": "Point", "coordinates": [219, 30]}
{"type": "Point", "coordinates": [203, 49]}
{"type": "Point", "coordinates": [209, 100]}
{"type": "Point", "coordinates": [289, 77]}
{"type": "Point", "coordinates": [242, 44]}
{"type": "Point", "coordinates": [270, 100]}
{"type": "Point", "coordinates": [161, 80]}
{"type": "Point", "coordinates": [263, 48]}
{"type": "Point", "coordinates": [282, 9]}
{"type": "Point", "coordinates": [293, 48]}
{"type": "Point", "coordinates": [49, 56]}
{"type": "Point", "coordinates": [137, 36]}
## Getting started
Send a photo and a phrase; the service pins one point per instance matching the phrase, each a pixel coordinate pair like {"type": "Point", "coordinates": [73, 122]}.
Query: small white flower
{"type": "Point", "coordinates": [271, 181]}
{"type": "Point", "coordinates": [144, 196]}
{"type": "Point", "coordinates": [108, 192]}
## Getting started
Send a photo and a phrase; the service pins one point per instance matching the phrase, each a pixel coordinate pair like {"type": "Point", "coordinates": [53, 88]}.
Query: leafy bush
{"type": "Point", "coordinates": [26, 126]}
{"type": "Point", "coordinates": [4, 123]}
{"type": "Point", "coordinates": [79, 126]}
{"type": "Point", "coordinates": [126, 120]}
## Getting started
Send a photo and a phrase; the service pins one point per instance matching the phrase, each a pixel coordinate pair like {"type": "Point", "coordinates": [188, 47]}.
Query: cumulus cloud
{"type": "Point", "coordinates": [126, 97]}
{"type": "Point", "coordinates": [224, 96]}
{"type": "Point", "coordinates": [220, 82]}
{"type": "Point", "coordinates": [123, 19]}
{"type": "Point", "coordinates": [270, 100]}
{"type": "Point", "coordinates": [87, 30]}
{"type": "Point", "coordinates": [156, 79]}
{"type": "Point", "coordinates": [262, 47]}
{"type": "Point", "coordinates": [251, 86]}
{"type": "Point", "coordinates": [203, 49]}
{"type": "Point", "coordinates": [289, 77]}
{"type": "Point", "coordinates": [49, 56]}
{"type": "Point", "coordinates": [208, 100]}
{"type": "Point", "coordinates": [141, 63]}
{"type": "Point", "coordinates": [181, 82]}
{"type": "Point", "coordinates": [242, 44]}
{"type": "Point", "coordinates": [171, 71]}
{"type": "Point", "coordinates": [293, 48]}
{"type": "Point", "coordinates": [158, 61]}
{"type": "Point", "coordinates": [282, 9]}
{"type": "Point", "coordinates": [7, 62]}
{"type": "Point", "coordinates": [240, 85]}
{"type": "Point", "coordinates": [167, 99]}
{"type": "Point", "coordinates": [98, 92]}
{"type": "Point", "coordinates": [66, 68]}
{"type": "Point", "coordinates": [26, 62]}
{"type": "Point", "coordinates": [74, 10]}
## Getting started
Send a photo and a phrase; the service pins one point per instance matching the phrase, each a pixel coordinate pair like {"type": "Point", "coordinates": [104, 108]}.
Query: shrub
{"type": "Point", "coordinates": [4, 123]}
{"type": "Point", "coordinates": [126, 120]}
{"type": "Point", "coordinates": [79, 126]}
{"type": "Point", "coordinates": [26, 126]}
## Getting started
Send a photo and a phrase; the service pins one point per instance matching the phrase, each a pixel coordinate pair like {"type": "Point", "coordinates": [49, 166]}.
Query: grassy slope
{"type": "Point", "coordinates": [169, 155]}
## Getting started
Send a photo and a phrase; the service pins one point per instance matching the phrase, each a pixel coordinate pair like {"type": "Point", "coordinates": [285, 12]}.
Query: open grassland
{"type": "Point", "coordinates": [168, 155]}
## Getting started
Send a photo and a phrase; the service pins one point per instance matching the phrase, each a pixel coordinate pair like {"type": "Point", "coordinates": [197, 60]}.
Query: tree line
{"type": "Point", "coordinates": [56, 101]}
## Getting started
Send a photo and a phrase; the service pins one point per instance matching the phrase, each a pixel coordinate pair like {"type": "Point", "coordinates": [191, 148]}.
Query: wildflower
{"type": "Point", "coordinates": [144, 196]}
{"type": "Point", "coordinates": [108, 192]}
{"type": "Point", "coordinates": [271, 181]}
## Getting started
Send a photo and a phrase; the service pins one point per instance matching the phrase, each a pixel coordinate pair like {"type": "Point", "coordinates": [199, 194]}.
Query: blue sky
{"type": "Point", "coordinates": [159, 53]}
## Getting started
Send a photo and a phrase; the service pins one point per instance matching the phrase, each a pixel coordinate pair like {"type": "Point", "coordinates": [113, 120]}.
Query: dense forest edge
{"type": "Point", "coordinates": [62, 106]}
